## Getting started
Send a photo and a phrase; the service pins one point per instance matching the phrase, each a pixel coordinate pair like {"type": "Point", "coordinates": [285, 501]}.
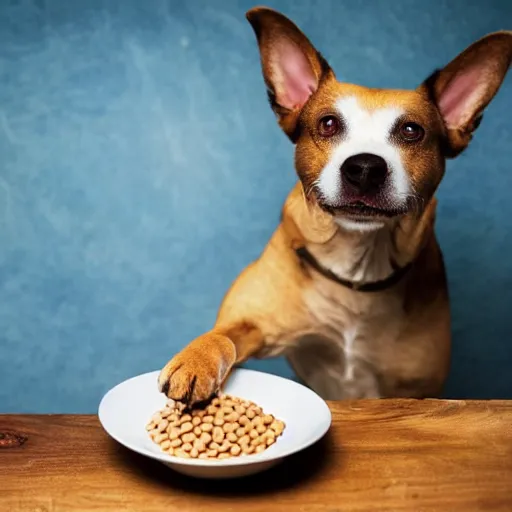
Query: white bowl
{"type": "Point", "coordinates": [126, 409]}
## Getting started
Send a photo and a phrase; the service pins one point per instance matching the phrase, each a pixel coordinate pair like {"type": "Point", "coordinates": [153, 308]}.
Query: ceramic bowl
{"type": "Point", "coordinates": [126, 409]}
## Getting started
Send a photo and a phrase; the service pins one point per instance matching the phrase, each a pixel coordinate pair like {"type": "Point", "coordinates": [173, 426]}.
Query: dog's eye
{"type": "Point", "coordinates": [328, 126]}
{"type": "Point", "coordinates": [411, 132]}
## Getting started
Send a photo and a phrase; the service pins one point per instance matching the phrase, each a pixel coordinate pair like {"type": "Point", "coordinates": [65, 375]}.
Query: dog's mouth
{"type": "Point", "coordinates": [364, 211]}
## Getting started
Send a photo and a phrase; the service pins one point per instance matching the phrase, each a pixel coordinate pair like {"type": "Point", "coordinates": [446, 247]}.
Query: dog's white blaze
{"type": "Point", "coordinates": [367, 132]}
{"type": "Point", "coordinates": [350, 337]}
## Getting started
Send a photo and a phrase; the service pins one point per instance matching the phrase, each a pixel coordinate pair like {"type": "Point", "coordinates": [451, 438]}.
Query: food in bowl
{"type": "Point", "coordinates": [227, 427]}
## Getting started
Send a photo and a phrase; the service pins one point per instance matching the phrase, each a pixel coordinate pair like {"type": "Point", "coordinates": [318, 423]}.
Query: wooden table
{"type": "Point", "coordinates": [392, 455]}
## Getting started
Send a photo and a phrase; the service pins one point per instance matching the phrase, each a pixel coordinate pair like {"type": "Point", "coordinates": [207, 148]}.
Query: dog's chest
{"type": "Point", "coordinates": [347, 352]}
{"type": "Point", "coordinates": [353, 332]}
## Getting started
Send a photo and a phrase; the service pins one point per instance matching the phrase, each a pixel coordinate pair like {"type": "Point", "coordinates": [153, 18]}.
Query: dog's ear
{"type": "Point", "coordinates": [464, 88]}
{"type": "Point", "coordinates": [292, 67]}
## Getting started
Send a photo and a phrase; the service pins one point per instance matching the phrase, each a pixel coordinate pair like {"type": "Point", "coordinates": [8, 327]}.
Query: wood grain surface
{"type": "Point", "coordinates": [391, 455]}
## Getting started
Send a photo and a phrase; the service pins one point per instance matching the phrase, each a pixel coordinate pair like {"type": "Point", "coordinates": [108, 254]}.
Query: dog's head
{"type": "Point", "coordinates": [367, 155]}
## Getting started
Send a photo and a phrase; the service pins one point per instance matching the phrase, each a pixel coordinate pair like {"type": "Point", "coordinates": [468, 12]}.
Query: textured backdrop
{"type": "Point", "coordinates": [141, 170]}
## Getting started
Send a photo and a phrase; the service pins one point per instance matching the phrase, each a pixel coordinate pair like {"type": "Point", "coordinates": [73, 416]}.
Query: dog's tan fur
{"type": "Point", "coordinates": [341, 342]}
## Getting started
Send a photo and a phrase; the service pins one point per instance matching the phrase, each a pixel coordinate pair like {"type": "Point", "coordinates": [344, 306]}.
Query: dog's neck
{"type": "Point", "coordinates": [359, 256]}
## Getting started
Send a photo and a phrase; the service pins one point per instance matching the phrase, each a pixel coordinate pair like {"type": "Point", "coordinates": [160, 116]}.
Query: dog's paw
{"type": "Point", "coordinates": [195, 374]}
{"type": "Point", "coordinates": [186, 382]}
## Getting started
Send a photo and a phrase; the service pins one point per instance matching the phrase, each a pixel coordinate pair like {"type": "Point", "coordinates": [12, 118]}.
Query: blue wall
{"type": "Point", "coordinates": [141, 170]}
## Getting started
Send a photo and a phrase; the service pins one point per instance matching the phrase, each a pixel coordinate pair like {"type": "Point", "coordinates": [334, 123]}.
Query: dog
{"type": "Point", "coordinates": [351, 287]}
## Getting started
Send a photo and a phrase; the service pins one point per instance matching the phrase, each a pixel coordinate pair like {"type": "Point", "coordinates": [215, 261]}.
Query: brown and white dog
{"type": "Point", "coordinates": [351, 287]}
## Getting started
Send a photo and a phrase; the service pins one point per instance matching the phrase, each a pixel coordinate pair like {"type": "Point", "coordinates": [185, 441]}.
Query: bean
{"type": "Point", "coordinates": [253, 434]}
{"type": "Point", "coordinates": [268, 419]}
{"type": "Point", "coordinates": [162, 425]}
{"type": "Point", "coordinates": [244, 420]}
{"type": "Point", "coordinates": [235, 450]}
{"type": "Point", "coordinates": [250, 413]}
{"type": "Point", "coordinates": [165, 445]}
{"type": "Point", "coordinates": [185, 418]}
{"type": "Point", "coordinates": [212, 453]}
{"type": "Point", "coordinates": [260, 448]}
{"type": "Point", "coordinates": [257, 421]}
{"type": "Point", "coordinates": [233, 417]}
{"type": "Point", "coordinates": [218, 421]}
{"type": "Point", "coordinates": [206, 438]}
{"type": "Point", "coordinates": [197, 431]}
{"type": "Point", "coordinates": [223, 456]}
{"type": "Point", "coordinates": [231, 437]}
{"type": "Point", "coordinates": [188, 438]}
{"type": "Point", "coordinates": [161, 437]}
{"type": "Point", "coordinates": [206, 427]}
{"type": "Point", "coordinates": [218, 435]}
{"type": "Point", "coordinates": [186, 427]}
{"type": "Point", "coordinates": [244, 440]}
{"type": "Point", "coordinates": [176, 442]}
{"type": "Point", "coordinates": [224, 447]}
{"type": "Point", "coordinates": [150, 426]}
{"type": "Point", "coordinates": [203, 456]}
{"type": "Point", "coordinates": [261, 429]}
{"type": "Point", "coordinates": [240, 431]}
{"type": "Point", "coordinates": [196, 420]}
{"type": "Point", "coordinates": [214, 446]}
{"type": "Point", "coordinates": [186, 447]}
{"type": "Point", "coordinates": [208, 419]}
{"type": "Point", "coordinates": [182, 454]}
{"type": "Point", "coordinates": [228, 427]}
{"type": "Point", "coordinates": [256, 441]}
{"type": "Point", "coordinates": [194, 453]}
{"type": "Point", "coordinates": [199, 445]}
{"type": "Point", "coordinates": [174, 433]}
{"type": "Point", "coordinates": [240, 409]}
{"type": "Point", "coordinates": [270, 434]}
{"type": "Point", "coordinates": [277, 427]}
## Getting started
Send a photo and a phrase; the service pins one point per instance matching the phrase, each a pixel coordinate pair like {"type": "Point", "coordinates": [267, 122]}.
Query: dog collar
{"type": "Point", "coordinates": [306, 257]}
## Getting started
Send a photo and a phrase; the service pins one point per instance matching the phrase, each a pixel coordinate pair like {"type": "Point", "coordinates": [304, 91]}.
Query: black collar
{"type": "Point", "coordinates": [306, 257]}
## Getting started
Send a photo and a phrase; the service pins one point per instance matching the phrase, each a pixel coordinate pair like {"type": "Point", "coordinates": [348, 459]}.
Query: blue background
{"type": "Point", "coordinates": [141, 169]}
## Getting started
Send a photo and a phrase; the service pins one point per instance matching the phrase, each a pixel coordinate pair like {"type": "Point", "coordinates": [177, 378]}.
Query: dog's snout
{"type": "Point", "coordinates": [364, 172]}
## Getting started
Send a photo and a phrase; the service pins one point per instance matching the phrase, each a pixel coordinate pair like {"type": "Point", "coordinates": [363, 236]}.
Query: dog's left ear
{"type": "Point", "coordinates": [292, 67]}
{"type": "Point", "coordinates": [464, 88]}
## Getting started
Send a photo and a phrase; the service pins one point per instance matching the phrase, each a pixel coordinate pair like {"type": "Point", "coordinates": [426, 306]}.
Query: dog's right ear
{"type": "Point", "coordinates": [292, 67]}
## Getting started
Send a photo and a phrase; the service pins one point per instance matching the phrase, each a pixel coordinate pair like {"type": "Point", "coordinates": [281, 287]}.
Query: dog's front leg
{"type": "Point", "coordinates": [197, 372]}
{"type": "Point", "coordinates": [259, 316]}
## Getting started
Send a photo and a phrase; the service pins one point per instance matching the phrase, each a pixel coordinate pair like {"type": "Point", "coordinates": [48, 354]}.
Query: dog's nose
{"type": "Point", "coordinates": [365, 172]}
